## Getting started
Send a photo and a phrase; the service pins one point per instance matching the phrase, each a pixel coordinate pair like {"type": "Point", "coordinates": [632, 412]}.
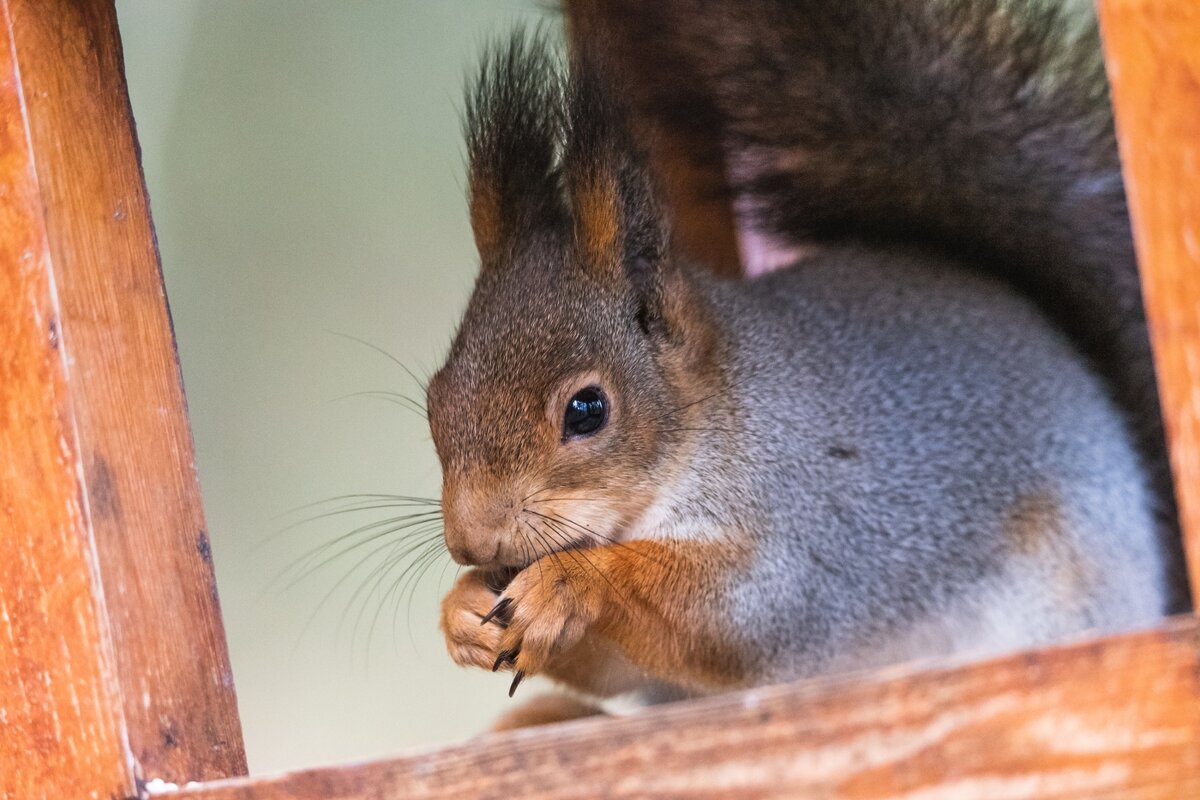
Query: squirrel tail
{"type": "Point", "coordinates": [977, 128]}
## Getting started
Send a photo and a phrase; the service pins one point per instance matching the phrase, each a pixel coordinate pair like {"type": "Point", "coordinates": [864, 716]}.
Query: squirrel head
{"type": "Point", "coordinates": [558, 415]}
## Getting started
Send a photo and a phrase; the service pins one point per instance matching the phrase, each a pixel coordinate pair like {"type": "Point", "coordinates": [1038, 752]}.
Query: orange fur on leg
{"type": "Point", "coordinates": [659, 602]}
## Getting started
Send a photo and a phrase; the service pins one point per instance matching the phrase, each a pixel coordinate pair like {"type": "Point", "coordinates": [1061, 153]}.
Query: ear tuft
{"type": "Point", "coordinates": [551, 149]}
{"type": "Point", "coordinates": [514, 131]}
{"type": "Point", "coordinates": [597, 215]}
{"type": "Point", "coordinates": [619, 228]}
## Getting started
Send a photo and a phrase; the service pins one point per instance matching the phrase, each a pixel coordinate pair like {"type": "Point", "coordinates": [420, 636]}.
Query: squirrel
{"type": "Point", "coordinates": [935, 432]}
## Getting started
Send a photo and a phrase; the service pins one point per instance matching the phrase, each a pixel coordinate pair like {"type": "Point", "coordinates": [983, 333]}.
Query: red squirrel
{"type": "Point", "coordinates": [935, 432]}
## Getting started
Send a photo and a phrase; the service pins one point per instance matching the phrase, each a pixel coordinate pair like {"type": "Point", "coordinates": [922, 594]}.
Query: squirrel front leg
{"type": "Point", "coordinates": [592, 666]}
{"type": "Point", "coordinates": [662, 603]}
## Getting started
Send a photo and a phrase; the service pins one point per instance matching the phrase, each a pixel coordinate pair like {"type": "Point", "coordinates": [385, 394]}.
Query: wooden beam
{"type": "Point", "coordinates": [120, 400]}
{"type": "Point", "coordinates": [60, 722]}
{"type": "Point", "coordinates": [1103, 719]}
{"type": "Point", "coordinates": [1152, 48]}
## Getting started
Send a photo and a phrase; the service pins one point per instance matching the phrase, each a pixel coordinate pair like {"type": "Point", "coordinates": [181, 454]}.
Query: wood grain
{"type": "Point", "coordinates": [1152, 49]}
{"type": "Point", "coordinates": [1102, 719]}
{"type": "Point", "coordinates": [127, 404]}
{"type": "Point", "coordinates": [60, 723]}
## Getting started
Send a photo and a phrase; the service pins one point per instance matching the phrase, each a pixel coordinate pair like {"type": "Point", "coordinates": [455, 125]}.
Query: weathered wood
{"type": "Point", "coordinates": [1109, 718]}
{"type": "Point", "coordinates": [60, 724]}
{"type": "Point", "coordinates": [126, 407]}
{"type": "Point", "coordinates": [1152, 48]}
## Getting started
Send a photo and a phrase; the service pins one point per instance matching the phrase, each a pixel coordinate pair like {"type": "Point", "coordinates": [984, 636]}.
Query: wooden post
{"type": "Point", "coordinates": [61, 724]}
{"type": "Point", "coordinates": [1152, 49]}
{"type": "Point", "coordinates": [113, 660]}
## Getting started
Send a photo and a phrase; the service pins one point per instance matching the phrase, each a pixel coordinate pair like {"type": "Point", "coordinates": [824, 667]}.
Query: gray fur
{"type": "Point", "coordinates": [894, 417]}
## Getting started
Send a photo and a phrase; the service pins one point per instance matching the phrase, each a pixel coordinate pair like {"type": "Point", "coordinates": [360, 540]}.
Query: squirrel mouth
{"type": "Point", "coordinates": [543, 547]}
{"type": "Point", "coordinates": [499, 577]}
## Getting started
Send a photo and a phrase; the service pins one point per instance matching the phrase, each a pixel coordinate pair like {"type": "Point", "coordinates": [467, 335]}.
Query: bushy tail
{"type": "Point", "coordinates": [980, 128]}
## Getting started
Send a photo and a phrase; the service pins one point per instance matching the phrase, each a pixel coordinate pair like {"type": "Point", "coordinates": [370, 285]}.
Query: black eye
{"type": "Point", "coordinates": [586, 413]}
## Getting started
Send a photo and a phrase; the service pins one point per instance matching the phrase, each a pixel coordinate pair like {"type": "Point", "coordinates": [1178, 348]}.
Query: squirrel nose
{"type": "Point", "coordinates": [471, 552]}
{"type": "Point", "coordinates": [472, 528]}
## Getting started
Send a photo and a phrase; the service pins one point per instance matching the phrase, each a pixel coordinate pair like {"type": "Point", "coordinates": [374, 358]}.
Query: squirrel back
{"type": "Point", "coordinates": [980, 129]}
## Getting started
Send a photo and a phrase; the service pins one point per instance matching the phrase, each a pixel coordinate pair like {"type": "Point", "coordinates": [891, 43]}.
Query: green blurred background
{"type": "Point", "coordinates": [305, 171]}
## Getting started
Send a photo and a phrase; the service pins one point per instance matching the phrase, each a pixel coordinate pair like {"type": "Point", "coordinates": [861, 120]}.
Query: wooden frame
{"type": "Point", "coordinates": [111, 676]}
{"type": "Point", "coordinates": [106, 685]}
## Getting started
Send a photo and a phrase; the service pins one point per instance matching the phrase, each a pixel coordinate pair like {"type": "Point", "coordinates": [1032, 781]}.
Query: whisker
{"type": "Point", "coordinates": [442, 574]}
{"type": "Point", "coordinates": [563, 537]}
{"type": "Point", "coordinates": [386, 393]}
{"type": "Point", "coordinates": [424, 384]}
{"type": "Point", "coordinates": [432, 545]}
{"type": "Point", "coordinates": [409, 526]}
{"type": "Point", "coordinates": [576, 554]}
{"type": "Point", "coordinates": [395, 398]}
{"type": "Point", "coordinates": [572, 499]}
{"type": "Point", "coordinates": [430, 550]}
{"type": "Point", "coordinates": [412, 576]}
{"type": "Point", "coordinates": [375, 579]}
{"type": "Point", "coordinates": [545, 552]}
{"type": "Point", "coordinates": [428, 561]}
{"type": "Point", "coordinates": [353, 504]}
{"type": "Point", "coordinates": [442, 552]}
{"type": "Point", "coordinates": [422, 532]}
{"type": "Point", "coordinates": [376, 507]}
{"type": "Point", "coordinates": [340, 582]}
{"type": "Point", "coordinates": [536, 492]}
{"type": "Point", "coordinates": [366, 497]}
{"type": "Point", "coordinates": [685, 406]}
{"type": "Point", "coordinates": [725, 389]}
{"type": "Point", "coordinates": [551, 552]}
{"type": "Point", "coordinates": [525, 554]}
{"type": "Point", "coordinates": [599, 536]}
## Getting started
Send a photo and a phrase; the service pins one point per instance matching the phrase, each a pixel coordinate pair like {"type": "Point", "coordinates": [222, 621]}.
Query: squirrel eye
{"type": "Point", "coordinates": [586, 413]}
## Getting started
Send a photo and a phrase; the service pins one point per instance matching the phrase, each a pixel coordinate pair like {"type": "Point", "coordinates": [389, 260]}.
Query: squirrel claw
{"type": "Point", "coordinates": [516, 681]}
{"type": "Point", "coordinates": [501, 606]}
{"type": "Point", "coordinates": [506, 656]}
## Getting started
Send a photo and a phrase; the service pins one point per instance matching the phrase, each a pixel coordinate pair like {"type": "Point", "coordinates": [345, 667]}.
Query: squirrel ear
{"type": "Point", "coordinates": [596, 216]}
{"type": "Point", "coordinates": [618, 227]}
{"type": "Point", "coordinates": [514, 128]}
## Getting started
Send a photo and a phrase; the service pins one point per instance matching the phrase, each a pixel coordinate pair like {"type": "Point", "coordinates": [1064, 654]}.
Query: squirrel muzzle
{"type": "Point", "coordinates": [477, 521]}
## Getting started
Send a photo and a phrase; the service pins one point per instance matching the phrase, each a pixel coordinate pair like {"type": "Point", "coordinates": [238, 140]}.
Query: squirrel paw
{"type": "Point", "coordinates": [545, 611]}
{"type": "Point", "coordinates": [470, 643]}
